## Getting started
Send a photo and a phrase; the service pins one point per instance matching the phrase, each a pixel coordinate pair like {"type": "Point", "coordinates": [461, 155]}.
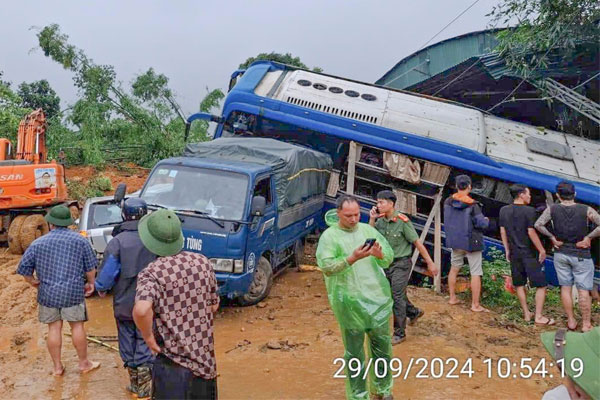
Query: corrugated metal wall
{"type": "Point", "coordinates": [442, 56]}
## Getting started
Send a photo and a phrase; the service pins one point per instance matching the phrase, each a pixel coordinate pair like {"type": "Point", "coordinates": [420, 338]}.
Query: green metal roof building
{"type": "Point", "coordinates": [437, 58]}
{"type": "Point", "coordinates": [466, 69]}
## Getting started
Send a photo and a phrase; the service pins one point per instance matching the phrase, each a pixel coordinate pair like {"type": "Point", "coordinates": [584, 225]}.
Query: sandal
{"type": "Point", "coordinates": [549, 322]}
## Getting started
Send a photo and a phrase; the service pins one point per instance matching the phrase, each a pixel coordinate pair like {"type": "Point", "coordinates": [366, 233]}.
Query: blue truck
{"type": "Point", "coordinates": [246, 204]}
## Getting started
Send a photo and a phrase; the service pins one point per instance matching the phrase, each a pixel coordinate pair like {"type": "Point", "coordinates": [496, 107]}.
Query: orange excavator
{"type": "Point", "coordinates": [29, 184]}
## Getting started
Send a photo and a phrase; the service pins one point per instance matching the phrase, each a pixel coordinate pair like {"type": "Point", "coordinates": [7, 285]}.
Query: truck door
{"type": "Point", "coordinates": [263, 231]}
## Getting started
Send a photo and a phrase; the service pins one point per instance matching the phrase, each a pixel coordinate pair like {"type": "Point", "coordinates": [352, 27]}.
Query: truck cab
{"type": "Point", "coordinates": [230, 212]}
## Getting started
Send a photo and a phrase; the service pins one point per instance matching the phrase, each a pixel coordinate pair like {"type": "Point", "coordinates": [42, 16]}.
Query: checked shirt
{"type": "Point", "coordinates": [60, 260]}
{"type": "Point", "coordinates": [182, 288]}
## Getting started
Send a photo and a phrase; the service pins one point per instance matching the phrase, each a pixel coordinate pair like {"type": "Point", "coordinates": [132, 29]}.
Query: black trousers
{"type": "Point", "coordinates": [172, 381]}
{"type": "Point", "coordinates": [398, 275]}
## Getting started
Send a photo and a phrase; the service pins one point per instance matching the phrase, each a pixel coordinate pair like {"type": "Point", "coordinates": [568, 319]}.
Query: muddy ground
{"type": "Point", "coordinates": [282, 348]}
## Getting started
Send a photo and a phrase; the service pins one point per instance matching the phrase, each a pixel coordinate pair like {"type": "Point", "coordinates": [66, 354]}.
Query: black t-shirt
{"type": "Point", "coordinates": [516, 219]}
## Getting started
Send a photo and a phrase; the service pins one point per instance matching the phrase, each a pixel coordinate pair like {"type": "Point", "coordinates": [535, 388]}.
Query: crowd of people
{"type": "Point", "coordinates": [165, 298]}
{"type": "Point", "coordinates": [352, 256]}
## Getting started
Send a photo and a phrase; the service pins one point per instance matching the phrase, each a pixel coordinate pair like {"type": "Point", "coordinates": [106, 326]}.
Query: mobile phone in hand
{"type": "Point", "coordinates": [369, 242]}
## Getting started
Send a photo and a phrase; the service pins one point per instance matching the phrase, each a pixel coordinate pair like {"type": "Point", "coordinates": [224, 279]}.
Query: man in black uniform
{"type": "Point", "coordinates": [572, 240]}
{"type": "Point", "coordinates": [124, 258]}
{"type": "Point", "coordinates": [521, 241]}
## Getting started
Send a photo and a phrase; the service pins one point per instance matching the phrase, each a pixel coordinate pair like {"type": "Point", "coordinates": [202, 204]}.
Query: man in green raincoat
{"type": "Point", "coordinates": [360, 296]}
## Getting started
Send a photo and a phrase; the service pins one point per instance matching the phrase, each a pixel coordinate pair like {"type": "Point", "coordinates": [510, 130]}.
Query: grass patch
{"type": "Point", "coordinates": [101, 183]}
{"type": "Point", "coordinates": [496, 297]}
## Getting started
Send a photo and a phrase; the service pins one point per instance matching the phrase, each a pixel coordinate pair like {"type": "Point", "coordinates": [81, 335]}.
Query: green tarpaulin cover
{"type": "Point", "coordinates": [300, 172]}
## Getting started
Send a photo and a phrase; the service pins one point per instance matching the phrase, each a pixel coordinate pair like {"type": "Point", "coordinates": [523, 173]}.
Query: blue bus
{"type": "Point", "coordinates": [437, 138]}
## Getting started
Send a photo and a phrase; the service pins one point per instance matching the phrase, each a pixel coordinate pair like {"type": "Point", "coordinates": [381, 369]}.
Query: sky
{"type": "Point", "coordinates": [198, 44]}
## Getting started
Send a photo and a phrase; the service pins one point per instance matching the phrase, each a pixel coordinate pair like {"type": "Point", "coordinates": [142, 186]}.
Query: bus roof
{"type": "Point", "coordinates": [420, 126]}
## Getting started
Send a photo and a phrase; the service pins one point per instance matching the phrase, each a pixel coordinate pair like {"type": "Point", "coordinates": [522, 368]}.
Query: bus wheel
{"type": "Point", "coordinates": [33, 227]}
{"type": "Point", "coordinates": [261, 284]}
{"type": "Point", "coordinates": [14, 234]}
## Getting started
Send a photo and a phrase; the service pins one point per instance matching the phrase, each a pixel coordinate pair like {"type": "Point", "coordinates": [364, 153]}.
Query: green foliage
{"type": "Point", "coordinates": [102, 183]}
{"type": "Point", "coordinates": [286, 58]}
{"type": "Point", "coordinates": [495, 296]}
{"type": "Point", "coordinates": [39, 94]}
{"type": "Point", "coordinates": [543, 25]}
{"type": "Point", "coordinates": [493, 293]}
{"type": "Point", "coordinates": [80, 191]}
{"type": "Point", "coordinates": [152, 88]}
{"type": "Point", "coordinates": [11, 112]}
{"type": "Point", "coordinates": [95, 187]}
{"type": "Point", "coordinates": [107, 115]}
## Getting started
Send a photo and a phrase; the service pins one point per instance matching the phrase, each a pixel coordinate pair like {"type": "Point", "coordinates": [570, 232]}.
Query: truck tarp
{"type": "Point", "coordinates": [300, 172]}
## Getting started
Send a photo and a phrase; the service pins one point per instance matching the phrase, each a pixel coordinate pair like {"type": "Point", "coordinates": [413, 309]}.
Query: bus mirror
{"type": "Point", "coordinates": [201, 116]}
{"type": "Point", "coordinates": [234, 78]}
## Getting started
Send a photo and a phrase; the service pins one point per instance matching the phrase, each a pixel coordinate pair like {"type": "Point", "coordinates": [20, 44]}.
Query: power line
{"type": "Point", "coordinates": [433, 37]}
{"type": "Point", "coordinates": [449, 23]}
{"type": "Point", "coordinates": [530, 72]}
{"type": "Point", "coordinates": [406, 72]}
{"type": "Point", "coordinates": [525, 77]}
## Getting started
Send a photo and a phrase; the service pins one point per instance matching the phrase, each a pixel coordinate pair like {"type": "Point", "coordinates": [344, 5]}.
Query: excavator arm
{"type": "Point", "coordinates": [31, 138]}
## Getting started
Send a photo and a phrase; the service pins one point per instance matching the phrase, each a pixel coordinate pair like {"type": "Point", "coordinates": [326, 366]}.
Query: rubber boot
{"type": "Point", "coordinates": [399, 335]}
{"type": "Point", "coordinates": [133, 380]}
{"type": "Point", "coordinates": [144, 381]}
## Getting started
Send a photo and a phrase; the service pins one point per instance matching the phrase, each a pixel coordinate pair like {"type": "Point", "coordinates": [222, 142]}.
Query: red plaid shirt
{"type": "Point", "coordinates": [182, 289]}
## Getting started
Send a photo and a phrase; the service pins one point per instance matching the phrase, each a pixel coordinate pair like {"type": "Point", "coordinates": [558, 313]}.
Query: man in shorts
{"type": "Point", "coordinates": [65, 267]}
{"type": "Point", "coordinates": [521, 241]}
{"type": "Point", "coordinates": [572, 256]}
{"type": "Point", "coordinates": [464, 224]}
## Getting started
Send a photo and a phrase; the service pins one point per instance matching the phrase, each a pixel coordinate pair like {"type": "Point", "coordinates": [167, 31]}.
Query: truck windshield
{"type": "Point", "coordinates": [220, 194]}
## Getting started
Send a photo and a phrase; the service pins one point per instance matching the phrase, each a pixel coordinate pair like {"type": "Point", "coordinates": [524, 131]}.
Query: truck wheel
{"type": "Point", "coordinates": [33, 227]}
{"type": "Point", "coordinates": [14, 234]}
{"type": "Point", "coordinates": [298, 252]}
{"type": "Point", "coordinates": [261, 284]}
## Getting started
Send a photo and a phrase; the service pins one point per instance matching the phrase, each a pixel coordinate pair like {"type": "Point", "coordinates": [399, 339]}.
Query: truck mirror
{"type": "Point", "coordinates": [120, 193]}
{"type": "Point", "coordinates": [259, 203]}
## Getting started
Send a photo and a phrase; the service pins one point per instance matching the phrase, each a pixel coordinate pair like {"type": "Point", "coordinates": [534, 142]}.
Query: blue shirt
{"type": "Point", "coordinates": [60, 260]}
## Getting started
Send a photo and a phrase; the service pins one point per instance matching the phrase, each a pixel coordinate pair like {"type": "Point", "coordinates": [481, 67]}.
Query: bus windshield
{"type": "Point", "coordinates": [219, 194]}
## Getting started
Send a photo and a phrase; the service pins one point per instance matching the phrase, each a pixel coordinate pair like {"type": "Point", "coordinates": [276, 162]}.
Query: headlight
{"type": "Point", "coordinates": [238, 266]}
{"type": "Point", "coordinates": [222, 264]}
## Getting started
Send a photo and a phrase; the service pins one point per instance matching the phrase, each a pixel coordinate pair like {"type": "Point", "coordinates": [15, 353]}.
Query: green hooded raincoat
{"type": "Point", "coordinates": [361, 300]}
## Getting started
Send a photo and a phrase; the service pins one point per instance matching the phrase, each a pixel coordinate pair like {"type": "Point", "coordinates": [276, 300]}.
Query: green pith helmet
{"type": "Point", "coordinates": [59, 216]}
{"type": "Point", "coordinates": [161, 232]}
